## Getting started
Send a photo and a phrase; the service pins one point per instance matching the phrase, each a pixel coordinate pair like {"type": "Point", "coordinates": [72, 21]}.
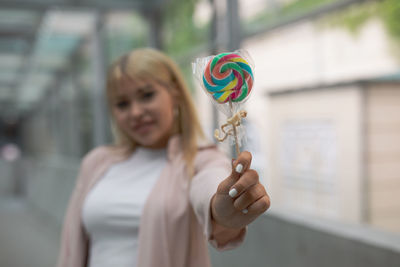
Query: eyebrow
{"type": "Point", "coordinates": [145, 87]}
{"type": "Point", "coordinates": [140, 89]}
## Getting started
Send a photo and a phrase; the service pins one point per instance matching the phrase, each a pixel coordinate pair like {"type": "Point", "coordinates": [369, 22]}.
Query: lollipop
{"type": "Point", "coordinates": [228, 77]}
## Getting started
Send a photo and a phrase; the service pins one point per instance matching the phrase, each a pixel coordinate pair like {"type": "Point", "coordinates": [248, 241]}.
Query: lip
{"type": "Point", "coordinates": [143, 127]}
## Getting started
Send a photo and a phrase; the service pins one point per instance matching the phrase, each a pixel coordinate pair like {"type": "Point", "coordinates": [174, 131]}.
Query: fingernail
{"type": "Point", "coordinates": [239, 168]}
{"type": "Point", "coordinates": [232, 192]}
{"type": "Point", "coordinates": [245, 211]}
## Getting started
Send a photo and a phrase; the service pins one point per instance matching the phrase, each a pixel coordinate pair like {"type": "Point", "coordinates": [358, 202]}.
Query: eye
{"type": "Point", "coordinates": [122, 104]}
{"type": "Point", "coordinates": [148, 95]}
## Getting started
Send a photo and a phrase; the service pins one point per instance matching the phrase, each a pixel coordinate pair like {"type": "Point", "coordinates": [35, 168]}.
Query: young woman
{"type": "Point", "coordinates": [160, 192]}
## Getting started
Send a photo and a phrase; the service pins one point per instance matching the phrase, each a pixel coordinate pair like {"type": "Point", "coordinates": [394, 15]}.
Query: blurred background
{"type": "Point", "coordinates": [323, 119]}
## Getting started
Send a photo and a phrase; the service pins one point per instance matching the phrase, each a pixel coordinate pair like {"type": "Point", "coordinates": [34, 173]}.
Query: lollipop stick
{"type": "Point", "coordinates": [234, 131]}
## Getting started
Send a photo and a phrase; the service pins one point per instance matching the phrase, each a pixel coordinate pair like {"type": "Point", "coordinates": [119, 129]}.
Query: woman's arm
{"type": "Point", "coordinates": [224, 235]}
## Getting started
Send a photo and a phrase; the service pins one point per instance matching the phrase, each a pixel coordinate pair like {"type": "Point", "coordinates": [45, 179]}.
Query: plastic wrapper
{"type": "Point", "coordinates": [228, 80]}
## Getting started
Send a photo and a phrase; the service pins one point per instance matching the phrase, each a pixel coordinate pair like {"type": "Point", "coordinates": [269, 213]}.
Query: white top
{"type": "Point", "coordinates": [112, 209]}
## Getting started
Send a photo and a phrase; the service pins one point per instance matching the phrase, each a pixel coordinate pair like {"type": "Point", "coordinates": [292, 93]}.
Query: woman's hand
{"type": "Point", "coordinates": [240, 198]}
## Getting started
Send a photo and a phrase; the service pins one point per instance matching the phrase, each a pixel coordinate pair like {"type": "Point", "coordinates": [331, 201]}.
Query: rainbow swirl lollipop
{"type": "Point", "coordinates": [228, 77]}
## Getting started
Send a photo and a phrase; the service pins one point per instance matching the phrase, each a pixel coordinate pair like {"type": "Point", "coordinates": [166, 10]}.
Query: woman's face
{"type": "Point", "coordinates": [144, 111]}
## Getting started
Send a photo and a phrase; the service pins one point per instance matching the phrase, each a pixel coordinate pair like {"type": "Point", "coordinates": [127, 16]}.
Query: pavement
{"type": "Point", "coordinates": [27, 238]}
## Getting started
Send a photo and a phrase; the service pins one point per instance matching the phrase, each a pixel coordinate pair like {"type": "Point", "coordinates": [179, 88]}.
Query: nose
{"type": "Point", "coordinates": [136, 110]}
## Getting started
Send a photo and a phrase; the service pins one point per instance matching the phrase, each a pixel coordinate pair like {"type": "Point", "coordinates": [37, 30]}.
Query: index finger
{"type": "Point", "coordinates": [241, 164]}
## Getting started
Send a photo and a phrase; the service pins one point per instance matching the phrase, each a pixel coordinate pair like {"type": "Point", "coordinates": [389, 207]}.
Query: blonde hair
{"type": "Point", "coordinates": [153, 65]}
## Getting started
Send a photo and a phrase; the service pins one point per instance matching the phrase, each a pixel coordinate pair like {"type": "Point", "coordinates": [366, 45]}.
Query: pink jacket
{"type": "Point", "coordinates": [175, 223]}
